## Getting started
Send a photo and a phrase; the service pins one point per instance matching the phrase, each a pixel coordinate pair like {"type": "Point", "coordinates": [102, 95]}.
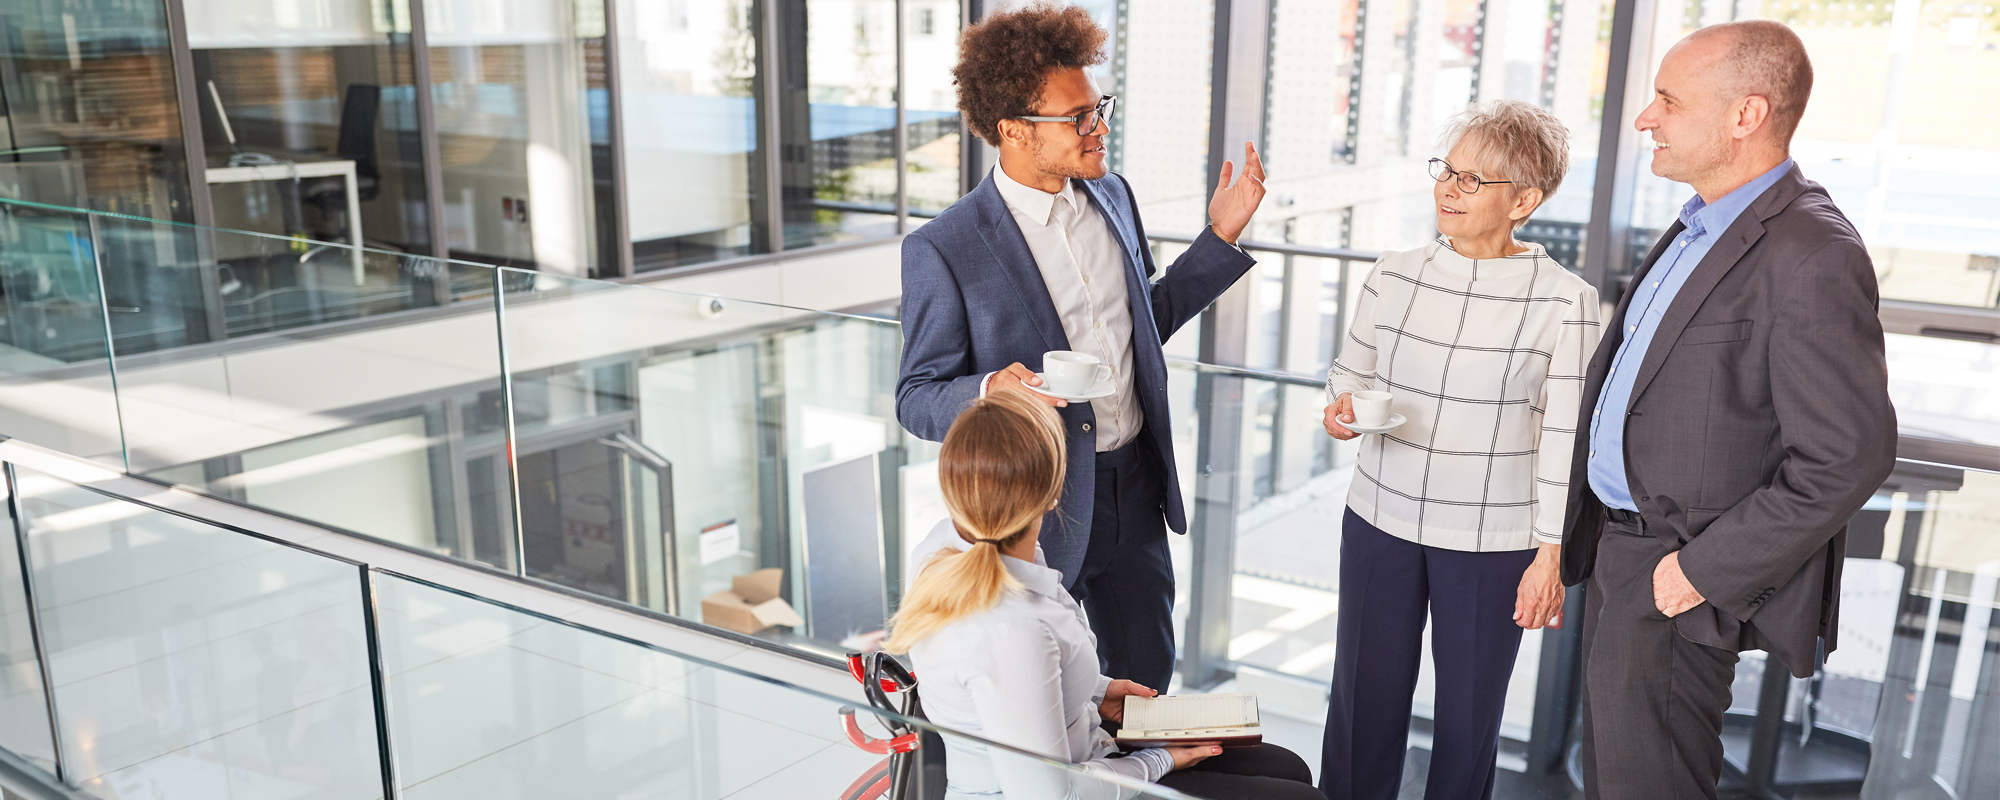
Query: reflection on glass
{"type": "Point", "coordinates": [511, 86]}
{"type": "Point", "coordinates": [838, 119]}
{"type": "Point", "coordinates": [308, 115]}
{"type": "Point", "coordinates": [24, 712]}
{"type": "Point", "coordinates": [1899, 131]}
{"type": "Point", "coordinates": [92, 120]}
{"type": "Point", "coordinates": [52, 334]}
{"type": "Point", "coordinates": [930, 49]}
{"type": "Point", "coordinates": [190, 656]}
{"type": "Point", "coordinates": [306, 426]}
{"type": "Point", "coordinates": [687, 70]}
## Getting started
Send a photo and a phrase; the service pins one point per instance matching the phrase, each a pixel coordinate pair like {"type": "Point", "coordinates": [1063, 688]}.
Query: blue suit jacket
{"type": "Point", "coordinates": [974, 302]}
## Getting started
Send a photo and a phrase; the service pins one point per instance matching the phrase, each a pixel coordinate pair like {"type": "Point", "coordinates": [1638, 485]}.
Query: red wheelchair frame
{"type": "Point", "coordinates": [901, 776]}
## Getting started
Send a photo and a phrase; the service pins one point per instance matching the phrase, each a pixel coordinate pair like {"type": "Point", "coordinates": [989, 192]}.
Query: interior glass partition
{"type": "Point", "coordinates": [309, 119]}
{"type": "Point", "coordinates": [688, 73]}
{"type": "Point", "coordinates": [89, 101]}
{"type": "Point", "coordinates": [510, 82]}
{"type": "Point", "coordinates": [837, 116]}
{"type": "Point", "coordinates": [930, 48]}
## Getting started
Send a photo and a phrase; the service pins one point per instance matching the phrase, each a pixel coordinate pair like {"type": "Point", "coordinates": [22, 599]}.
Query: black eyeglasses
{"type": "Point", "coordinates": [1467, 182]}
{"type": "Point", "coordinates": [1086, 122]}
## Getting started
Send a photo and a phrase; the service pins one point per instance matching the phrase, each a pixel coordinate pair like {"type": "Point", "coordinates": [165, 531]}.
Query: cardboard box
{"type": "Point", "coordinates": [751, 604]}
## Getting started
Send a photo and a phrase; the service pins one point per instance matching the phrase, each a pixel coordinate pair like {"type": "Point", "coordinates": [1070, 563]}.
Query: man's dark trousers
{"type": "Point", "coordinates": [1653, 701]}
{"type": "Point", "coordinates": [1126, 585]}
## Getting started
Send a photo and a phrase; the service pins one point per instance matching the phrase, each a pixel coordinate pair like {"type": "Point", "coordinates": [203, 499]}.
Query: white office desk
{"type": "Point", "coordinates": [344, 168]}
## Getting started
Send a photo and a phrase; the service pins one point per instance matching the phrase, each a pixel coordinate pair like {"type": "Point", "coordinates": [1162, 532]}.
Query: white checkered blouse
{"type": "Point", "coordinates": [1486, 360]}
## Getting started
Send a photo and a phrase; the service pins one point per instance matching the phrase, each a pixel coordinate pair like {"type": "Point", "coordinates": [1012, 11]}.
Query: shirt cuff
{"type": "Point", "coordinates": [1158, 763]}
{"type": "Point", "coordinates": [984, 381]}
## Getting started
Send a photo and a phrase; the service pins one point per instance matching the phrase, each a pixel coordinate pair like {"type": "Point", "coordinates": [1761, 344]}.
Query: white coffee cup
{"type": "Point", "coordinates": [1067, 372]}
{"type": "Point", "coordinates": [1371, 408]}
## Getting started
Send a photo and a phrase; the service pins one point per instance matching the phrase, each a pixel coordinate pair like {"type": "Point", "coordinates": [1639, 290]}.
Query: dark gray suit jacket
{"type": "Point", "coordinates": [974, 302]}
{"type": "Point", "coordinates": [1759, 422]}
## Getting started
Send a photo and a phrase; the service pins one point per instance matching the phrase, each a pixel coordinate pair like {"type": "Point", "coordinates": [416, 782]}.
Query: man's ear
{"type": "Point", "coordinates": [1014, 132]}
{"type": "Point", "coordinates": [1753, 114]}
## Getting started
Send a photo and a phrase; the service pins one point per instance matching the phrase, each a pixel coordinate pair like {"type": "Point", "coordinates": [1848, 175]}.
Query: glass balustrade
{"type": "Point", "coordinates": [689, 455]}
{"type": "Point", "coordinates": [189, 659]}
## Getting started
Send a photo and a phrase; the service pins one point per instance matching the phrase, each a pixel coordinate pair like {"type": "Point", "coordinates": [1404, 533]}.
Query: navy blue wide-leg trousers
{"type": "Point", "coordinates": [1387, 586]}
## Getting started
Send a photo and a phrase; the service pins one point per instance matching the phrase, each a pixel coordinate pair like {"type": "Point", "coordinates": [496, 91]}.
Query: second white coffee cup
{"type": "Point", "coordinates": [1371, 408]}
{"type": "Point", "coordinates": [1068, 372]}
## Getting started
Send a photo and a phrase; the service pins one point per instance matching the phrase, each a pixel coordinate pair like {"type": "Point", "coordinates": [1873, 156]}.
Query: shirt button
{"type": "Point", "coordinates": [1656, 284]}
{"type": "Point", "coordinates": [1631, 328]}
{"type": "Point", "coordinates": [1593, 454]}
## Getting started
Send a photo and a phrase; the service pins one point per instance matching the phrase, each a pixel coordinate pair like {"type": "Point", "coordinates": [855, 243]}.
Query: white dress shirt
{"type": "Point", "coordinates": [1485, 357]}
{"type": "Point", "coordinates": [1023, 673]}
{"type": "Point", "coordinates": [1084, 268]}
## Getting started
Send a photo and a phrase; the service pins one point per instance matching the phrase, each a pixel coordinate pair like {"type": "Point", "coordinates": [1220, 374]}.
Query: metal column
{"type": "Point", "coordinates": [1236, 115]}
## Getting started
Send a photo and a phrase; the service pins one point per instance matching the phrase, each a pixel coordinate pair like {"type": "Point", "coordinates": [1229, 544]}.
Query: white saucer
{"type": "Point", "coordinates": [1099, 389]}
{"type": "Point", "coordinates": [1395, 421]}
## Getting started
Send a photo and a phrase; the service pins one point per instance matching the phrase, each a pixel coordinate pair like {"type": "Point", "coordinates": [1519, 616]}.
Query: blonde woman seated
{"type": "Point", "coordinates": [1005, 654]}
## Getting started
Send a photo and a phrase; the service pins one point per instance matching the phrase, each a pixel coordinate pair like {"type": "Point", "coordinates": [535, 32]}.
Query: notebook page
{"type": "Point", "coordinates": [1182, 712]}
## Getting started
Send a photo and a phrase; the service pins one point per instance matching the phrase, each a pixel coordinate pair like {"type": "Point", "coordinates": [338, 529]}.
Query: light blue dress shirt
{"type": "Point", "coordinates": [1651, 297]}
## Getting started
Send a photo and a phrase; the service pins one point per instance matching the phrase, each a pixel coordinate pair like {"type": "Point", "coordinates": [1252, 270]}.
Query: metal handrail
{"type": "Point", "coordinates": [1282, 248]}
{"type": "Point", "coordinates": [1274, 376]}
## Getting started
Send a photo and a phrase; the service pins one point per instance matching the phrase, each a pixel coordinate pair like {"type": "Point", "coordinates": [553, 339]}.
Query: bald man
{"type": "Point", "coordinates": [1737, 413]}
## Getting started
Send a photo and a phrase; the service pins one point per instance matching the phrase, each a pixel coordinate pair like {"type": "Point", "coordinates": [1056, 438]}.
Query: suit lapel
{"type": "Point", "coordinates": [1723, 257]}
{"type": "Point", "coordinates": [1010, 250]}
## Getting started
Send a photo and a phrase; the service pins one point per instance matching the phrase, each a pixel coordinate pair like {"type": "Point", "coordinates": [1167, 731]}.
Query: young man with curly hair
{"type": "Point", "coordinates": [1048, 254]}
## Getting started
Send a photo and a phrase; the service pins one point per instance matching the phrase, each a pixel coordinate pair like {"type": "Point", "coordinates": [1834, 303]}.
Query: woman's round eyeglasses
{"type": "Point", "coordinates": [1086, 122]}
{"type": "Point", "coordinates": [1467, 182]}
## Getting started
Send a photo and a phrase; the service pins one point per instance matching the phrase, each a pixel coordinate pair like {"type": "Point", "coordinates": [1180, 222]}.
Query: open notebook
{"type": "Point", "coordinates": [1229, 720]}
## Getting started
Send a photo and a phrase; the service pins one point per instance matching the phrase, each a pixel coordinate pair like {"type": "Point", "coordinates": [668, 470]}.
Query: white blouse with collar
{"type": "Point", "coordinates": [1023, 673]}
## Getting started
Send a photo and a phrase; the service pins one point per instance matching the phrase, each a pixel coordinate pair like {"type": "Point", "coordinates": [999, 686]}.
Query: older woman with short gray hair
{"type": "Point", "coordinates": [1480, 342]}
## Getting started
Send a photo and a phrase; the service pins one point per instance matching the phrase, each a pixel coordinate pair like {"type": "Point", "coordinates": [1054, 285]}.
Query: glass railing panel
{"type": "Point", "coordinates": [191, 656]}
{"type": "Point", "coordinates": [24, 710]}
{"type": "Point", "coordinates": [671, 443]}
{"type": "Point", "coordinates": [643, 438]}
{"type": "Point", "coordinates": [405, 413]}
{"type": "Point", "coordinates": [487, 701]}
{"type": "Point", "coordinates": [173, 285]}
{"type": "Point", "coordinates": [55, 375]}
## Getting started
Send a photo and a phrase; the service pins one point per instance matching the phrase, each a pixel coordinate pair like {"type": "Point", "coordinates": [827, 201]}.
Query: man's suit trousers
{"type": "Point", "coordinates": [1126, 585]}
{"type": "Point", "coordinates": [1652, 700]}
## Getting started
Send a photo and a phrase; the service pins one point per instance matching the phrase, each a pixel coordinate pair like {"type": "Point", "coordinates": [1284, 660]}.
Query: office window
{"type": "Point", "coordinates": [1354, 110]}
{"type": "Point", "coordinates": [688, 74]}
{"type": "Point", "coordinates": [88, 91]}
{"type": "Point", "coordinates": [932, 115]}
{"type": "Point", "coordinates": [837, 117]}
{"type": "Point", "coordinates": [509, 81]}
{"type": "Point", "coordinates": [320, 89]}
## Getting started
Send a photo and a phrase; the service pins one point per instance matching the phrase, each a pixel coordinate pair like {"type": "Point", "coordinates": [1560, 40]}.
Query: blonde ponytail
{"type": "Point", "coordinates": [1001, 468]}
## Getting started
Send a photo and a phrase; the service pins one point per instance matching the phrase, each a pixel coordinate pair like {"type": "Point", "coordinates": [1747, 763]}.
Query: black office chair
{"type": "Point", "coordinates": [359, 111]}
